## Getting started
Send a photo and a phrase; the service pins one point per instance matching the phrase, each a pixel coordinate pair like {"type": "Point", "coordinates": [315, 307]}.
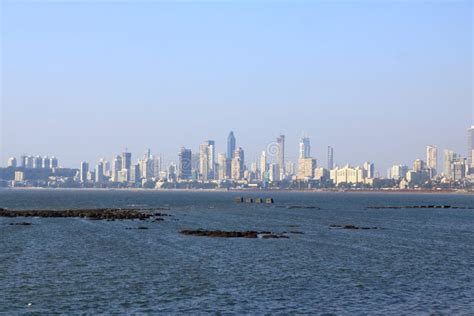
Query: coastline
{"type": "Point", "coordinates": [388, 191]}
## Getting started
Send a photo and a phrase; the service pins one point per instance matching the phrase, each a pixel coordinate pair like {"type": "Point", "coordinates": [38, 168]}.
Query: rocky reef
{"type": "Point", "coordinates": [98, 214]}
{"type": "Point", "coordinates": [233, 234]}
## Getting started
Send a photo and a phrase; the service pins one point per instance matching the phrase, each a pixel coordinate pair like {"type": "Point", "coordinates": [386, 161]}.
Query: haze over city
{"type": "Point", "coordinates": [376, 81]}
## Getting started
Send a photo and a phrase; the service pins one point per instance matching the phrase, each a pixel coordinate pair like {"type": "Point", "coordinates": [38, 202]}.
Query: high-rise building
{"type": "Point", "coordinates": [238, 164]}
{"type": "Point", "coordinates": [281, 155]}
{"type": "Point", "coordinates": [397, 172]}
{"type": "Point", "coordinates": [369, 170]}
{"type": "Point", "coordinates": [184, 163]}
{"type": "Point", "coordinates": [54, 162]}
{"type": "Point", "coordinates": [418, 165]}
{"type": "Point", "coordinates": [83, 171]}
{"type": "Point", "coordinates": [11, 162]}
{"type": "Point", "coordinates": [99, 172]}
{"type": "Point", "coordinates": [330, 158]}
{"type": "Point", "coordinates": [37, 162]}
{"type": "Point", "coordinates": [116, 167]}
{"type": "Point", "coordinates": [306, 168]}
{"type": "Point", "coordinates": [470, 146]}
{"type": "Point", "coordinates": [126, 160]}
{"type": "Point", "coordinates": [447, 160]}
{"type": "Point", "coordinates": [432, 157]}
{"type": "Point", "coordinates": [263, 165]}
{"type": "Point", "coordinates": [305, 148]}
{"type": "Point", "coordinates": [46, 162]}
{"type": "Point", "coordinates": [230, 145]}
{"type": "Point", "coordinates": [273, 172]}
{"type": "Point", "coordinates": [207, 159]}
{"type": "Point", "coordinates": [222, 161]}
{"type": "Point", "coordinates": [29, 162]}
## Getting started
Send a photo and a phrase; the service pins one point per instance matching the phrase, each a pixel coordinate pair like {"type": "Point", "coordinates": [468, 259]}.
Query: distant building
{"type": "Point", "coordinates": [222, 161]}
{"type": "Point", "coordinates": [306, 168]}
{"type": "Point", "coordinates": [321, 174]}
{"type": "Point", "coordinates": [46, 162]}
{"type": "Point", "coordinates": [230, 145]}
{"type": "Point", "coordinates": [432, 157]}
{"type": "Point", "coordinates": [207, 160]}
{"type": "Point", "coordinates": [347, 175]}
{"type": "Point", "coordinates": [448, 159]}
{"type": "Point", "coordinates": [305, 148]}
{"type": "Point", "coordinates": [369, 170]}
{"type": "Point", "coordinates": [274, 172]}
{"type": "Point", "coordinates": [11, 162]}
{"type": "Point", "coordinates": [127, 162]}
{"type": "Point", "coordinates": [99, 172]}
{"type": "Point", "coordinates": [238, 164]}
{"type": "Point", "coordinates": [281, 155]}
{"type": "Point", "coordinates": [330, 158]}
{"type": "Point", "coordinates": [116, 167]}
{"type": "Point", "coordinates": [84, 170]}
{"type": "Point", "coordinates": [397, 172]}
{"type": "Point", "coordinates": [418, 165]}
{"type": "Point", "coordinates": [184, 164]}
{"type": "Point", "coordinates": [263, 165]}
{"type": "Point", "coordinates": [37, 162]}
{"type": "Point", "coordinates": [54, 162]}
{"type": "Point", "coordinates": [470, 146]}
{"type": "Point", "coordinates": [19, 176]}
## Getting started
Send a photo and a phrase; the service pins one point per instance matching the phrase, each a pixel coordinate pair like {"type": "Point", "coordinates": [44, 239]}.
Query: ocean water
{"type": "Point", "coordinates": [420, 262]}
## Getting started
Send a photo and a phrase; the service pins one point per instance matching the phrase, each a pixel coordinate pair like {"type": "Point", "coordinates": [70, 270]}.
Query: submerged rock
{"type": "Point", "coordinates": [232, 234]}
{"type": "Point", "coordinates": [350, 226]}
{"type": "Point", "coordinates": [97, 214]}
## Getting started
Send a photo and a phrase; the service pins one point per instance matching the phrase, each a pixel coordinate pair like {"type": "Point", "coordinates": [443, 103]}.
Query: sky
{"type": "Point", "coordinates": [376, 80]}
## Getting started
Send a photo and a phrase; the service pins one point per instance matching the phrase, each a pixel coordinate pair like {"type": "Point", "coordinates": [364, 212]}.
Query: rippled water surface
{"type": "Point", "coordinates": [421, 262]}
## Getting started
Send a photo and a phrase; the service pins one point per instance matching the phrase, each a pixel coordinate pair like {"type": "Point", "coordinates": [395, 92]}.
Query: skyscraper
{"type": "Point", "coordinates": [470, 145]}
{"type": "Point", "coordinates": [447, 160]}
{"type": "Point", "coordinates": [263, 165]}
{"type": "Point", "coordinates": [418, 165]}
{"type": "Point", "coordinates": [230, 145]}
{"type": "Point", "coordinates": [207, 155]}
{"type": "Point", "coordinates": [432, 157]}
{"type": "Point", "coordinates": [116, 167]}
{"type": "Point", "coordinates": [330, 158]}
{"type": "Point", "coordinates": [83, 171]}
{"type": "Point", "coordinates": [238, 164]}
{"type": "Point", "coordinates": [222, 161]}
{"type": "Point", "coordinates": [281, 155]}
{"type": "Point", "coordinates": [305, 148]}
{"type": "Point", "coordinates": [54, 162]}
{"type": "Point", "coordinates": [99, 172]}
{"type": "Point", "coordinates": [369, 170]}
{"type": "Point", "coordinates": [184, 163]}
{"type": "Point", "coordinates": [11, 162]}
{"type": "Point", "coordinates": [46, 162]}
{"type": "Point", "coordinates": [126, 160]}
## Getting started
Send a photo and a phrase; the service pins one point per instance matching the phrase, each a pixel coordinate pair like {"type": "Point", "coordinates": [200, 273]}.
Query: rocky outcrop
{"type": "Point", "coordinates": [98, 214]}
{"type": "Point", "coordinates": [232, 234]}
{"type": "Point", "coordinates": [350, 226]}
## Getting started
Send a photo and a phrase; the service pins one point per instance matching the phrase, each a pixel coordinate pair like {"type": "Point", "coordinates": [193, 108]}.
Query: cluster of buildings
{"type": "Point", "coordinates": [208, 169]}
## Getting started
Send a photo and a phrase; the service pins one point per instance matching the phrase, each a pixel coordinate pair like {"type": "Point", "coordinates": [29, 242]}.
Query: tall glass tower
{"type": "Point", "coordinates": [470, 145]}
{"type": "Point", "coordinates": [230, 145]}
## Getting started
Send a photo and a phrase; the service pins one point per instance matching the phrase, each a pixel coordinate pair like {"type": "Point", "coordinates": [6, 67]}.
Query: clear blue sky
{"type": "Point", "coordinates": [376, 80]}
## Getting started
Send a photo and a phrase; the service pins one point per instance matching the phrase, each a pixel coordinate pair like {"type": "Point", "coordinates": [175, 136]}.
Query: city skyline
{"type": "Point", "coordinates": [349, 76]}
{"type": "Point", "coordinates": [213, 165]}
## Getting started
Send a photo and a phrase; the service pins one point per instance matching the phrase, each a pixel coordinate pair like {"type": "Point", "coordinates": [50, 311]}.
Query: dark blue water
{"type": "Point", "coordinates": [421, 262]}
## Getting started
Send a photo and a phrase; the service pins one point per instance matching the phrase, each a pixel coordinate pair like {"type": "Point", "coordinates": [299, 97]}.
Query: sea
{"type": "Point", "coordinates": [418, 261]}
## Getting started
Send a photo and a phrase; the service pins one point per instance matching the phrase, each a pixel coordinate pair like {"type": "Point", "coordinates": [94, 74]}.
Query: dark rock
{"type": "Point", "coordinates": [225, 234]}
{"type": "Point", "coordinates": [21, 224]}
{"type": "Point", "coordinates": [98, 214]}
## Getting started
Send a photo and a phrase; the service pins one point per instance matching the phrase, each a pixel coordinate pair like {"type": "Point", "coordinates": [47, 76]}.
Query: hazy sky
{"type": "Point", "coordinates": [376, 80]}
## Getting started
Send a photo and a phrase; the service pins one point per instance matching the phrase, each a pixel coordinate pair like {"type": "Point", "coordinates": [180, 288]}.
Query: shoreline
{"type": "Point", "coordinates": [388, 191]}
